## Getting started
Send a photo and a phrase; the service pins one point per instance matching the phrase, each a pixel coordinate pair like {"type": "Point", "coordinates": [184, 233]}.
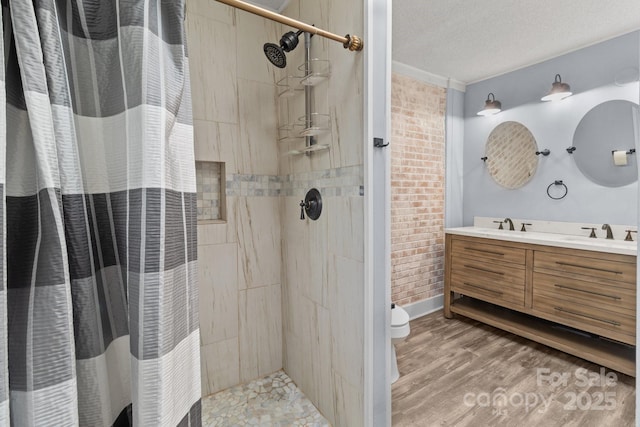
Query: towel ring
{"type": "Point", "coordinates": [559, 182]}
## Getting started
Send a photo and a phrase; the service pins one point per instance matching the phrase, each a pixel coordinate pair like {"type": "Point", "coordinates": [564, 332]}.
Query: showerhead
{"type": "Point", "coordinates": [275, 54]}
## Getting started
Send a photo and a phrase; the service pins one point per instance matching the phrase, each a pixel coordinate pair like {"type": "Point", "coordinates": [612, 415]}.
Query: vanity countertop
{"type": "Point", "coordinates": [550, 239]}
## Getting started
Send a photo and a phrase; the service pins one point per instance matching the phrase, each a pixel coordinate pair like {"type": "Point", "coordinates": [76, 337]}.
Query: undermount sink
{"type": "Point", "coordinates": [550, 239]}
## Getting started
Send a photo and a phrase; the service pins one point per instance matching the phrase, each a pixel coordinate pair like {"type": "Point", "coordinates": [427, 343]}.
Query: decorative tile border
{"type": "Point", "coordinates": [339, 182]}
{"type": "Point", "coordinates": [253, 185]}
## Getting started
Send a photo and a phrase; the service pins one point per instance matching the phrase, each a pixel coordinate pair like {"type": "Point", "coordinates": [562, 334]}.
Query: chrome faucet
{"type": "Point", "coordinates": [608, 228]}
{"type": "Point", "coordinates": [508, 221]}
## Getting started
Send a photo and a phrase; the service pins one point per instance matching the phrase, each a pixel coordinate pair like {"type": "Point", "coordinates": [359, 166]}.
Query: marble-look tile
{"type": "Point", "coordinates": [346, 227]}
{"type": "Point", "coordinates": [256, 31]}
{"type": "Point", "coordinates": [217, 142]}
{"type": "Point", "coordinates": [258, 128]}
{"type": "Point", "coordinates": [316, 11]}
{"type": "Point", "coordinates": [291, 309]}
{"type": "Point", "coordinates": [305, 252]}
{"type": "Point", "coordinates": [211, 10]}
{"type": "Point", "coordinates": [346, 294]}
{"type": "Point", "coordinates": [224, 232]}
{"type": "Point", "coordinates": [349, 403]}
{"type": "Point", "coordinates": [305, 376]}
{"type": "Point", "coordinates": [292, 361]}
{"type": "Point", "coordinates": [347, 146]}
{"type": "Point", "coordinates": [284, 158]}
{"type": "Point", "coordinates": [348, 16]}
{"type": "Point", "coordinates": [316, 283]}
{"type": "Point", "coordinates": [272, 401]}
{"type": "Point", "coordinates": [293, 11]}
{"type": "Point", "coordinates": [259, 255]}
{"type": "Point", "coordinates": [260, 331]}
{"type": "Point", "coordinates": [346, 95]}
{"type": "Point", "coordinates": [212, 62]}
{"type": "Point", "coordinates": [218, 281]}
{"type": "Point", "coordinates": [220, 366]}
{"type": "Point", "coordinates": [318, 347]}
{"type": "Point", "coordinates": [307, 325]}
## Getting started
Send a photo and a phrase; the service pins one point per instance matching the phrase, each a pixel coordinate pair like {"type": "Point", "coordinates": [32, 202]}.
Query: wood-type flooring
{"type": "Point", "coordinates": [459, 372]}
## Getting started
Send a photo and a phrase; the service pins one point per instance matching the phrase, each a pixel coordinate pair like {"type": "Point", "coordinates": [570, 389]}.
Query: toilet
{"type": "Point", "coordinates": [399, 331]}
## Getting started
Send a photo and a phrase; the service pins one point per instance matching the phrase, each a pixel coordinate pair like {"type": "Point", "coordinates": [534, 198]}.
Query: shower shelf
{"type": "Point", "coordinates": [310, 149]}
{"type": "Point", "coordinates": [289, 86]}
{"type": "Point", "coordinates": [288, 133]}
{"type": "Point", "coordinates": [319, 71]}
{"type": "Point", "coordinates": [318, 124]}
{"type": "Point", "coordinates": [312, 126]}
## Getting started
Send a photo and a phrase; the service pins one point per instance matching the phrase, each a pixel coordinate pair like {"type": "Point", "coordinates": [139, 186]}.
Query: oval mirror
{"type": "Point", "coordinates": [607, 127]}
{"type": "Point", "coordinates": [511, 155]}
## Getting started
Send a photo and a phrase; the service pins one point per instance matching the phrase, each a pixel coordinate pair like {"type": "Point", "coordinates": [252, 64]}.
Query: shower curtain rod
{"type": "Point", "coordinates": [350, 42]}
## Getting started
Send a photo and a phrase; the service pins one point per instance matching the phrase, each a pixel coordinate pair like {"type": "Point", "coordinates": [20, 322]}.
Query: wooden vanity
{"type": "Point", "coordinates": [582, 302]}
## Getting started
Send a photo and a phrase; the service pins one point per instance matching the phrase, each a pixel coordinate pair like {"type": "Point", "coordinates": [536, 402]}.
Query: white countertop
{"type": "Point", "coordinates": [550, 239]}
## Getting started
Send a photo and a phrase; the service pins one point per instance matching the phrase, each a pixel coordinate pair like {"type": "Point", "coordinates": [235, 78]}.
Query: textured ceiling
{"type": "Point", "coordinates": [471, 40]}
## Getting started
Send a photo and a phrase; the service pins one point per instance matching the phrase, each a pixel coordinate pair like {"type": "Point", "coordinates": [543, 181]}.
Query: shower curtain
{"type": "Point", "coordinates": [98, 297]}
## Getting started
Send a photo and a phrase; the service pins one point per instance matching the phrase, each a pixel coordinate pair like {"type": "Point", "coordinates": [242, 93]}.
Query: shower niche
{"type": "Point", "coordinates": [211, 192]}
{"type": "Point", "coordinates": [312, 125]}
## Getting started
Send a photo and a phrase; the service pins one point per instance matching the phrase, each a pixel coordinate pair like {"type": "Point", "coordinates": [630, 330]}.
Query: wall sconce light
{"type": "Point", "coordinates": [558, 90]}
{"type": "Point", "coordinates": [491, 106]}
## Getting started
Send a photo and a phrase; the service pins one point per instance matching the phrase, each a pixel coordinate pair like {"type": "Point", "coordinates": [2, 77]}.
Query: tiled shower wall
{"type": "Point", "coordinates": [417, 189]}
{"type": "Point", "coordinates": [276, 291]}
{"type": "Point", "coordinates": [239, 260]}
{"type": "Point", "coordinates": [323, 260]}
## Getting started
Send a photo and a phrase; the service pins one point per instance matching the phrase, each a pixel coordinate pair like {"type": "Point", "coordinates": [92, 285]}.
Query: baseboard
{"type": "Point", "coordinates": [424, 307]}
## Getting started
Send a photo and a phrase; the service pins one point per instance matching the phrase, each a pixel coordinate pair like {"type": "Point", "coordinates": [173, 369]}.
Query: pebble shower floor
{"type": "Point", "coordinates": [270, 401]}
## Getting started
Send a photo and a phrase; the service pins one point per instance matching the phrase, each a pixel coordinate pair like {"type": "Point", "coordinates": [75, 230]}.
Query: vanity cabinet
{"type": "Point", "coordinates": [578, 301]}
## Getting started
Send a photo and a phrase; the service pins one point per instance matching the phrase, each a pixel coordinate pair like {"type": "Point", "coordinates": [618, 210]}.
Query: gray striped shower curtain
{"type": "Point", "coordinates": [98, 292]}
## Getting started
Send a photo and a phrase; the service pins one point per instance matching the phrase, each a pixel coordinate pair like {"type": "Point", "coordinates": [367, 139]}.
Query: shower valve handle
{"type": "Point", "coordinates": [302, 206]}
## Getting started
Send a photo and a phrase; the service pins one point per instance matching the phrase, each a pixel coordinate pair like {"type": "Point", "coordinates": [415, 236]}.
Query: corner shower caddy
{"type": "Point", "coordinates": [312, 124]}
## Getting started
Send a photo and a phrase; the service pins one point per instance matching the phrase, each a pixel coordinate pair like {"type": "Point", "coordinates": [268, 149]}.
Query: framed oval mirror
{"type": "Point", "coordinates": [511, 155]}
{"type": "Point", "coordinates": [607, 127]}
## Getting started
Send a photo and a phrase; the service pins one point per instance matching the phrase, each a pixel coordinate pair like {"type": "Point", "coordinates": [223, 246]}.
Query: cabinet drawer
{"type": "Point", "coordinates": [495, 283]}
{"type": "Point", "coordinates": [575, 266]}
{"type": "Point", "coordinates": [488, 251]}
{"type": "Point", "coordinates": [614, 297]}
{"type": "Point", "coordinates": [616, 325]}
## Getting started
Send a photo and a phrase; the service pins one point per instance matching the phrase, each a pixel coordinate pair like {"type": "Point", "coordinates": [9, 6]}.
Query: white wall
{"type": "Point", "coordinates": [454, 171]}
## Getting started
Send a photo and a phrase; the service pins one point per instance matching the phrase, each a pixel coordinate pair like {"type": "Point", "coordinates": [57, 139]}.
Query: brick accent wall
{"type": "Point", "coordinates": [417, 189]}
